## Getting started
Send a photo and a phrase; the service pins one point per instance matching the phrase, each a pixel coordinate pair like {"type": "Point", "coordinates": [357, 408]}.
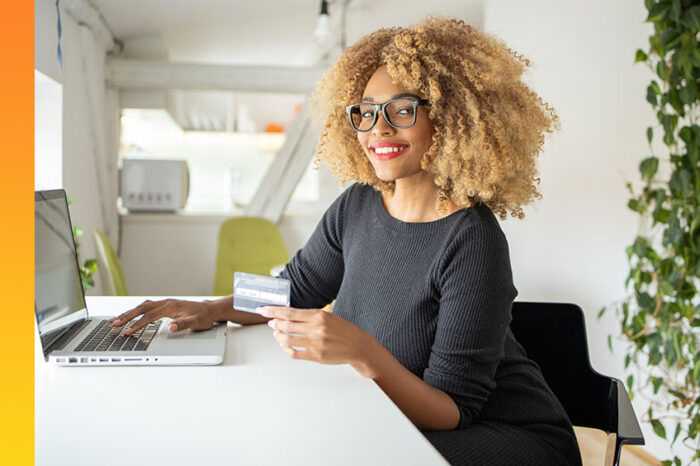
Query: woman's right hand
{"type": "Point", "coordinates": [195, 315]}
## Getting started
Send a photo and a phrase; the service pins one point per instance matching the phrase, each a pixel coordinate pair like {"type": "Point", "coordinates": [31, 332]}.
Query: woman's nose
{"type": "Point", "coordinates": [381, 126]}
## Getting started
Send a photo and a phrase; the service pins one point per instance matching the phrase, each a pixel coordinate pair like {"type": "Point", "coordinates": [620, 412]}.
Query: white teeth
{"type": "Point", "coordinates": [386, 150]}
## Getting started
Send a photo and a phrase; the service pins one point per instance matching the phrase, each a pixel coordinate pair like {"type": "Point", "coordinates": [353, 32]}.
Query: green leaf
{"type": "Point", "coordinates": [669, 122]}
{"type": "Point", "coordinates": [674, 233]}
{"type": "Point", "coordinates": [686, 134]}
{"type": "Point", "coordinates": [675, 101]}
{"type": "Point", "coordinates": [656, 382]}
{"type": "Point", "coordinates": [691, 19]}
{"type": "Point", "coordinates": [662, 70]}
{"type": "Point", "coordinates": [653, 90]}
{"type": "Point", "coordinates": [694, 224]}
{"type": "Point", "coordinates": [685, 65]}
{"type": "Point", "coordinates": [91, 265]}
{"type": "Point", "coordinates": [693, 428]}
{"type": "Point", "coordinates": [610, 343]}
{"type": "Point", "coordinates": [77, 231]}
{"type": "Point", "coordinates": [680, 182]}
{"type": "Point", "coordinates": [669, 37]}
{"type": "Point", "coordinates": [660, 196]}
{"type": "Point", "coordinates": [659, 428]}
{"type": "Point", "coordinates": [601, 312]}
{"type": "Point", "coordinates": [657, 12]}
{"type": "Point", "coordinates": [630, 382]}
{"type": "Point", "coordinates": [651, 96]}
{"type": "Point", "coordinates": [635, 205]}
{"type": "Point", "coordinates": [648, 168]}
{"type": "Point", "coordinates": [687, 94]}
{"type": "Point", "coordinates": [666, 288]}
{"type": "Point", "coordinates": [640, 247]}
{"type": "Point", "coordinates": [650, 134]}
{"type": "Point", "coordinates": [640, 56]}
{"type": "Point", "coordinates": [655, 87]}
{"type": "Point", "coordinates": [662, 215]}
{"type": "Point", "coordinates": [675, 13]}
{"type": "Point", "coordinates": [645, 302]}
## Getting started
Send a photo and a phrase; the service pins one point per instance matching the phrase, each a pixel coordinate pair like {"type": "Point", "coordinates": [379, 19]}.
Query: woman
{"type": "Point", "coordinates": [436, 127]}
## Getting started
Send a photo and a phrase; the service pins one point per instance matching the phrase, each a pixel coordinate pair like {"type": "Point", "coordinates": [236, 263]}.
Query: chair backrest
{"type": "Point", "coordinates": [247, 244]}
{"type": "Point", "coordinates": [109, 267]}
{"type": "Point", "coordinates": [554, 336]}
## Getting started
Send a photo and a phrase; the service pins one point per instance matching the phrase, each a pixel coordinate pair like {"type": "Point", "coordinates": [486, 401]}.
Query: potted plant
{"type": "Point", "coordinates": [660, 319]}
{"type": "Point", "coordinates": [89, 267]}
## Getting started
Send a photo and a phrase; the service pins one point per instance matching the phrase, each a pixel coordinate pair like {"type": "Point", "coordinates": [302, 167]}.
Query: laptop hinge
{"type": "Point", "coordinates": [56, 341]}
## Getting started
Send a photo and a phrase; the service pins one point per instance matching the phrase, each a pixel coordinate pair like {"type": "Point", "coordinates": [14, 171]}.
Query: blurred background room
{"type": "Point", "coordinates": [223, 86]}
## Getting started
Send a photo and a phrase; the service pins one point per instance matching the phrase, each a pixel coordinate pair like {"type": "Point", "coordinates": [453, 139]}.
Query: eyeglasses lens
{"type": "Point", "coordinates": [400, 113]}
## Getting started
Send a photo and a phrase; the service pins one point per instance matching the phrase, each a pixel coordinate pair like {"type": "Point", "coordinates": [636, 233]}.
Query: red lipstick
{"type": "Point", "coordinates": [387, 150]}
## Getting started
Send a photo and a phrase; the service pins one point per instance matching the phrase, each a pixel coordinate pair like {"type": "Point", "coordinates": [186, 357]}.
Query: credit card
{"type": "Point", "coordinates": [252, 291]}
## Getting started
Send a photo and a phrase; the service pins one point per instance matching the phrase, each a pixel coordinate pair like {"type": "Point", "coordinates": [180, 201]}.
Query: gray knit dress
{"type": "Point", "coordinates": [438, 296]}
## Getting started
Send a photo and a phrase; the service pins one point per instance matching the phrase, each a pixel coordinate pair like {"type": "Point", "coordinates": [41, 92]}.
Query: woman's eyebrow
{"type": "Point", "coordinates": [396, 96]}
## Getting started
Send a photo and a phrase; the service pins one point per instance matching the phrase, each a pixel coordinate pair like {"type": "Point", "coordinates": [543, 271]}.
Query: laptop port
{"type": "Point", "coordinates": [104, 359]}
{"type": "Point", "coordinates": [72, 360]}
{"type": "Point", "coordinates": [116, 359]}
{"type": "Point", "coordinates": [132, 359]}
{"type": "Point", "coordinates": [83, 360]}
{"type": "Point", "coordinates": [93, 359]}
{"type": "Point", "coordinates": [60, 359]}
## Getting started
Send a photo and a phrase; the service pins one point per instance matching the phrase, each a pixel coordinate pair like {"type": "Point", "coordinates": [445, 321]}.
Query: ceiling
{"type": "Point", "coordinates": [129, 18]}
{"type": "Point", "coordinates": [260, 32]}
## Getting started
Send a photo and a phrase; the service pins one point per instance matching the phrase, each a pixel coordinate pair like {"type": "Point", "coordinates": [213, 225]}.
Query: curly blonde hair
{"type": "Point", "coordinates": [488, 125]}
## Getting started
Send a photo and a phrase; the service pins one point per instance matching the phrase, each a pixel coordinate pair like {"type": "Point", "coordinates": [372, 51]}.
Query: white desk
{"type": "Point", "coordinates": [259, 408]}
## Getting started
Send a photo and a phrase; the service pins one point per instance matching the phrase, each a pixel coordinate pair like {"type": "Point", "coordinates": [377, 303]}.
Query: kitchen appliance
{"type": "Point", "coordinates": [154, 185]}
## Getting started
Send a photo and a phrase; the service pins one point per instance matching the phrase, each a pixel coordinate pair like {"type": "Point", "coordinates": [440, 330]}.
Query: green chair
{"type": "Point", "coordinates": [247, 244]}
{"type": "Point", "coordinates": [113, 283]}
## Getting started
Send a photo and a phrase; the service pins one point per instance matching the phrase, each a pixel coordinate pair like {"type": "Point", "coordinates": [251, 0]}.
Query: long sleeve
{"type": "Point", "coordinates": [438, 296]}
{"type": "Point", "coordinates": [477, 293]}
{"type": "Point", "coordinates": [316, 270]}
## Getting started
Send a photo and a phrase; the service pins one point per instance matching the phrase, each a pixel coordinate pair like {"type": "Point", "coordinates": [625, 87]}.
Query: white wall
{"type": "Point", "coordinates": [48, 133]}
{"type": "Point", "coordinates": [571, 245]}
{"type": "Point", "coordinates": [79, 176]}
{"type": "Point", "coordinates": [175, 255]}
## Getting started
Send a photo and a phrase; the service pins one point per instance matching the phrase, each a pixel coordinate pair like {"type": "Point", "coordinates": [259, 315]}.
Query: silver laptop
{"type": "Point", "coordinates": [69, 337]}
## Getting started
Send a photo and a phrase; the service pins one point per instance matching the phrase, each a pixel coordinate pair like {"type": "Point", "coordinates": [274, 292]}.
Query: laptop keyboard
{"type": "Point", "coordinates": [106, 338]}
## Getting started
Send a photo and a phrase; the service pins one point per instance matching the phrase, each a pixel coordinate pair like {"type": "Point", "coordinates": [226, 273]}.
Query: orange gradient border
{"type": "Point", "coordinates": [17, 242]}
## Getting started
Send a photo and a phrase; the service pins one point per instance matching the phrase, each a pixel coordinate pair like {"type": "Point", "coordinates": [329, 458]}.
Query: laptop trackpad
{"type": "Point", "coordinates": [194, 335]}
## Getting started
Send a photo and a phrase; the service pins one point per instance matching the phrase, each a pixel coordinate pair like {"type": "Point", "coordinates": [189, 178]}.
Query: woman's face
{"type": "Point", "coordinates": [391, 164]}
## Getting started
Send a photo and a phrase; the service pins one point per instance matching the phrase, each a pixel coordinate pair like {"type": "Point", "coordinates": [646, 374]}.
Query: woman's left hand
{"type": "Point", "coordinates": [328, 339]}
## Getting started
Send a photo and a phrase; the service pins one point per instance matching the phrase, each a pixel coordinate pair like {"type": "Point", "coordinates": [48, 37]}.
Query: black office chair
{"type": "Point", "coordinates": [554, 336]}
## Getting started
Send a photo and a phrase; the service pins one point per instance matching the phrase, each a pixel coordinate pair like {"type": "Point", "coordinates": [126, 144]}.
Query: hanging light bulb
{"type": "Point", "coordinates": [322, 33]}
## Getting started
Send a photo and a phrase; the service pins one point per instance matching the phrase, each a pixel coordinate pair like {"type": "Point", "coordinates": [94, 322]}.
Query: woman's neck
{"type": "Point", "coordinates": [415, 200]}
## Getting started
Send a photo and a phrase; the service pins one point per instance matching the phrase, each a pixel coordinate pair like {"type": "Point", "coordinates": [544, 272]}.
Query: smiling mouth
{"type": "Point", "coordinates": [387, 153]}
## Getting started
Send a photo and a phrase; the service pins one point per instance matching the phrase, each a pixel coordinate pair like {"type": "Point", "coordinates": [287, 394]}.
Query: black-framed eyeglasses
{"type": "Point", "coordinates": [399, 113]}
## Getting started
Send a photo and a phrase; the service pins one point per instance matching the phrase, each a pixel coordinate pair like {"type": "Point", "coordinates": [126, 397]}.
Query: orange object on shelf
{"type": "Point", "coordinates": [274, 128]}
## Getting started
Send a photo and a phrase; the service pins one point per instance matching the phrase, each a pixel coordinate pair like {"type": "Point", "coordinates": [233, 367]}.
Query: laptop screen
{"type": "Point", "coordinates": [58, 296]}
